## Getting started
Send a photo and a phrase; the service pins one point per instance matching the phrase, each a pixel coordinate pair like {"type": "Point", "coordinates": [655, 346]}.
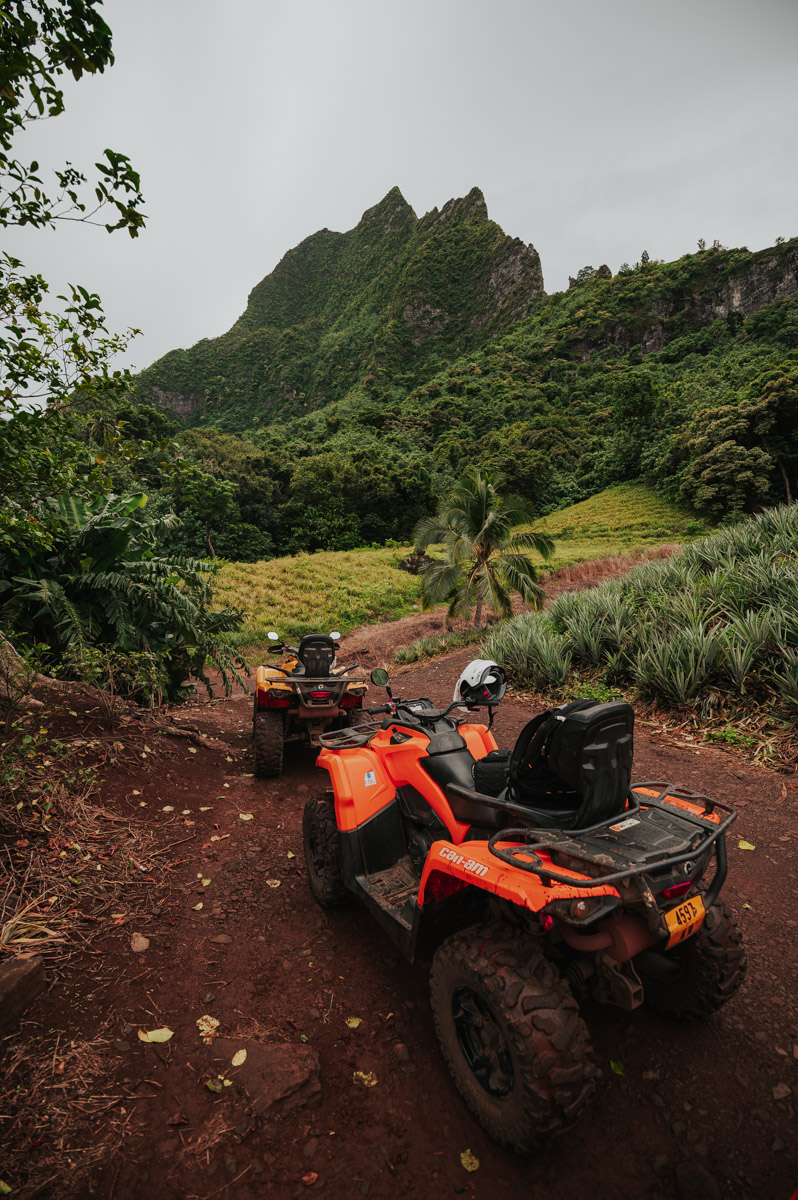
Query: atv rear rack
{"type": "Point", "coordinates": [567, 841]}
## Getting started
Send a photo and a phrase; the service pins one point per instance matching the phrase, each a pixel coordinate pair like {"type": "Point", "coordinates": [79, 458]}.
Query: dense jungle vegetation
{"type": "Point", "coordinates": [566, 403]}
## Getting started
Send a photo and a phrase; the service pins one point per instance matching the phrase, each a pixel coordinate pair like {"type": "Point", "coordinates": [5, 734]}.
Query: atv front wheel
{"type": "Point", "coordinates": [322, 844]}
{"type": "Point", "coordinates": [697, 977]}
{"type": "Point", "coordinates": [268, 736]}
{"type": "Point", "coordinates": [511, 1034]}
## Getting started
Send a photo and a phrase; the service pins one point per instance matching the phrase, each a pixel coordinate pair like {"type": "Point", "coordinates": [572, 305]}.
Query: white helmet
{"type": "Point", "coordinates": [482, 682]}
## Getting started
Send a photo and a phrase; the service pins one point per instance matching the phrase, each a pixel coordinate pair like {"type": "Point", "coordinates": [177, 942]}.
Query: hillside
{"type": "Point", "coordinates": [383, 304]}
{"type": "Point", "coordinates": [682, 376]}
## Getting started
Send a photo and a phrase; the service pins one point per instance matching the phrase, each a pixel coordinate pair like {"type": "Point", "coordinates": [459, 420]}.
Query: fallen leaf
{"type": "Point", "coordinates": [353, 1022]}
{"type": "Point", "coordinates": [197, 907]}
{"type": "Point", "coordinates": [186, 812]}
{"type": "Point", "coordinates": [469, 1161]}
{"type": "Point", "coordinates": [207, 1026]}
{"type": "Point", "coordinates": [206, 808]}
{"type": "Point", "coordinates": [290, 854]}
{"type": "Point", "coordinates": [273, 883]}
{"type": "Point", "coordinates": [214, 1085]}
{"type": "Point", "coordinates": [248, 775]}
{"type": "Point", "coordinates": [155, 1035]}
{"type": "Point", "coordinates": [367, 1078]}
{"type": "Point", "coordinates": [191, 750]}
{"type": "Point", "coordinates": [308, 1179]}
{"type": "Point", "coordinates": [168, 808]}
{"type": "Point", "coordinates": [245, 816]}
{"type": "Point", "coordinates": [227, 758]}
{"type": "Point", "coordinates": [206, 882]}
{"type": "Point", "coordinates": [5, 1190]}
{"type": "Point", "coordinates": [617, 1067]}
{"type": "Point", "coordinates": [239, 1057]}
{"type": "Point", "coordinates": [136, 792]}
{"type": "Point", "coordinates": [744, 845]}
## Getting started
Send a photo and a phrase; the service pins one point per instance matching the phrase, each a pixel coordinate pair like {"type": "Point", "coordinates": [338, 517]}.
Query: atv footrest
{"type": "Point", "coordinates": [392, 897]}
{"type": "Point", "coordinates": [393, 887]}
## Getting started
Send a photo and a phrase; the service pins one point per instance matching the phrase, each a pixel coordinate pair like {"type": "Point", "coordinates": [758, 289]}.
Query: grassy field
{"type": "Point", "coordinates": [346, 588]}
{"type": "Point", "coordinates": [316, 593]}
{"type": "Point", "coordinates": [619, 520]}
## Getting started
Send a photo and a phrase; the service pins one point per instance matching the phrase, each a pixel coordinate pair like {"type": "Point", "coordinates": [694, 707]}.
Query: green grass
{"type": "Point", "coordinates": [441, 643]}
{"type": "Point", "coordinates": [316, 593]}
{"type": "Point", "coordinates": [343, 589]}
{"type": "Point", "coordinates": [620, 520]}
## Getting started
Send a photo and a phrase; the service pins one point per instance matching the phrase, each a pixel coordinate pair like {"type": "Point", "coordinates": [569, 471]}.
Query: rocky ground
{"type": "Point", "coordinates": [343, 1090]}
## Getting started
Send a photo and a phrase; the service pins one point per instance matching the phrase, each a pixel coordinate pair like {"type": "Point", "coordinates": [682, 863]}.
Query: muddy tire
{"type": "Point", "coordinates": [511, 1035]}
{"type": "Point", "coordinates": [322, 844]}
{"type": "Point", "coordinates": [696, 978]}
{"type": "Point", "coordinates": [268, 737]}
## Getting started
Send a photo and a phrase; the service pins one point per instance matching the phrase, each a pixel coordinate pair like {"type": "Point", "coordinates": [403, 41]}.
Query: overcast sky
{"type": "Point", "coordinates": [595, 129]}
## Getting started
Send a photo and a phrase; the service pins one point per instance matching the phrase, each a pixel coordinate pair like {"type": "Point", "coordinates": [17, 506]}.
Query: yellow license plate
{"type": "Point", "coordinates": [684, 920]}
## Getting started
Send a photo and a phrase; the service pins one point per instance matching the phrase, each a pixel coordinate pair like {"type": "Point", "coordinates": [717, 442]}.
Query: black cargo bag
{"type": "Point", "coordinates": [572, 766]}
{"type": "Point", "coordinates": [490, 772]}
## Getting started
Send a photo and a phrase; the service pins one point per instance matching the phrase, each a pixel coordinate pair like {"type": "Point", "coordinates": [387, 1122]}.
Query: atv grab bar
{"type": "Point", "coordinates": [547, 840]}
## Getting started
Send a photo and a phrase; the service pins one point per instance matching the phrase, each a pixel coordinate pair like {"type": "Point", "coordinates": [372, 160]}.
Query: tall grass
{"type": "Point", "coordinates": [316, 593]}
{"type": "Point", "coordinates": [718, 620]}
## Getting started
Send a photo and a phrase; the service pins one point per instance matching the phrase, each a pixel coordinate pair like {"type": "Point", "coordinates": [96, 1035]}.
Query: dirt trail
{"type": "Point", "coordinates": [686, 1112]}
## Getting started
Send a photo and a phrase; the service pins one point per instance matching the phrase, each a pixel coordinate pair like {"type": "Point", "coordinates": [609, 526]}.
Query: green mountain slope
{"type": "Point", "coordinates": [406, 351]}
{"type": "Point", "coordinates": [384, 304]}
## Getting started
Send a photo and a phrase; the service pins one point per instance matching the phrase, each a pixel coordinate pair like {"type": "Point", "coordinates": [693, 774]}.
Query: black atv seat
{"type": "Point", "coordinates": [571, 767]}
{"type": "Point", "coordinates": [316, 654]}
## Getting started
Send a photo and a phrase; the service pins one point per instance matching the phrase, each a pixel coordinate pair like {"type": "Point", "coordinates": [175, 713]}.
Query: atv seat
{"type": "Point", "coordinates": [571, 767]}
{"type": "Point", "coordinates": [316, 655]}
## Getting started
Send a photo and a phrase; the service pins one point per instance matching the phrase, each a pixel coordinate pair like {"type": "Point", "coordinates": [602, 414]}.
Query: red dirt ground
{"type": "Point", "coordinates": [691, 1115]}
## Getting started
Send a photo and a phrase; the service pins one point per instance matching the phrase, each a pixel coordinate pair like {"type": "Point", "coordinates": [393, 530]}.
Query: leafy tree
{"type": "Point", "coordinates": [486, 557]}
{"type": "Point", "coordinates": [729, 471]}
{"type": "Point", "coordinates": [42, 41]}
{"type": "Point", "coordinates": [101, 583]}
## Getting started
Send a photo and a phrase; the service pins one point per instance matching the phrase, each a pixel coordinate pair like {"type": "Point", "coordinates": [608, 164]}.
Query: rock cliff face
{"type": "Point", "coordinates": [384, 303]}
{"type": "Point", "coordinates": [723, 284]}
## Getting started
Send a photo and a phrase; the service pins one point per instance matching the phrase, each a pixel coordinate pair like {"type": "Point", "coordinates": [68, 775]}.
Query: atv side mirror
{"type": "Point", "coordinates": [273, 637]}
{"type": "Point", "coordinates": [379, 677]}
{"type": "Point", "coordinates": [335, 635]}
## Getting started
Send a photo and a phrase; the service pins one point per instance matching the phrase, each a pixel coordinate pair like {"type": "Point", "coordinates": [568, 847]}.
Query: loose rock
{"type": "Point", "coordinates": [139, 943]}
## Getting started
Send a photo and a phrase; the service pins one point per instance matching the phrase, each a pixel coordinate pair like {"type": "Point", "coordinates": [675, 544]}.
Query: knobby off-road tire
{"type": "Point", "coordinates": [322, 844]}
{"type": "Point", "coordinates": [511, 1034]}
{"type": "Point", "coordinates": [696, 978]}
{"type": "Point", "coordinates": [268, 738]}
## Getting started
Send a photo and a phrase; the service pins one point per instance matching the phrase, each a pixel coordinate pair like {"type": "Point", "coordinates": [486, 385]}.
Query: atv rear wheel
{"type": "Point", "coordinates": [697, 977]}
{"type": "Point", "coordinates": [322, 844]}
{"type": "Point", "coordinates": [511, 1034]}
{"type": "Point", "coordinates": [268, 737]}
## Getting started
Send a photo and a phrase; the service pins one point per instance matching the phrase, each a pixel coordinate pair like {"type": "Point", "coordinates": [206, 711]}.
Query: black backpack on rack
{"type": "Point", "coordinates": [570, 768]}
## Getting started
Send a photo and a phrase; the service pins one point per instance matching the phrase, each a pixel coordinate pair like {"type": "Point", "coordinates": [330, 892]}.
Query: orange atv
{"type": "Point", "coordinates": [537, 872]}
{"type": "Point", "coordinates": [301, 697]}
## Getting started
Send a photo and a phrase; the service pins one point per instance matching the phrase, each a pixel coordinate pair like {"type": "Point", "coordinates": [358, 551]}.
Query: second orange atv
{"type": "Point", "coordinates": [300, 697]}
{"type": "Point", "coordinates": [546, 873]}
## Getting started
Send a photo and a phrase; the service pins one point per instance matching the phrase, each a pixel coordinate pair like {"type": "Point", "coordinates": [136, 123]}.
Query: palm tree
{"type": "Point", "coordinates": [486, 557]}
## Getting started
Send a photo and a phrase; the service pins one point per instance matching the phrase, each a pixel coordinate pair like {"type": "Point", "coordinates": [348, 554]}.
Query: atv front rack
{"type": "Point", "coordinates": [601, 859]}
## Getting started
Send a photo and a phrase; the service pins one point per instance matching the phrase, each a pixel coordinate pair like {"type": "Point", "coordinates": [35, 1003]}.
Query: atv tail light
{"type": "Point", "coordinates": [269, 700]}
{"type": "Point", "coordinates": [352, 702]}
{"type": "Point", "coordinates": [678, 889]}
{"type": "Point", "coordinates": [320, 695]}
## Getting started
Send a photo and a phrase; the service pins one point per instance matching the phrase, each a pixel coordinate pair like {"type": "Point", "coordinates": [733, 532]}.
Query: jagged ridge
{"type": "Point", "coordinates": [385, 303]}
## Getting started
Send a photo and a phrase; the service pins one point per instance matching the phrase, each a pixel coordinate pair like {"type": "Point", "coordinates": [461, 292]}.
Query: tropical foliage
{"type": "Point", "coordinates": [486, 556]}
{"type": "Point", "coordinates": [622, 379]}
{"type": "Point", "coordinates": [717, 624]}
{"type": "Point", "coordinates": [100, 593]}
